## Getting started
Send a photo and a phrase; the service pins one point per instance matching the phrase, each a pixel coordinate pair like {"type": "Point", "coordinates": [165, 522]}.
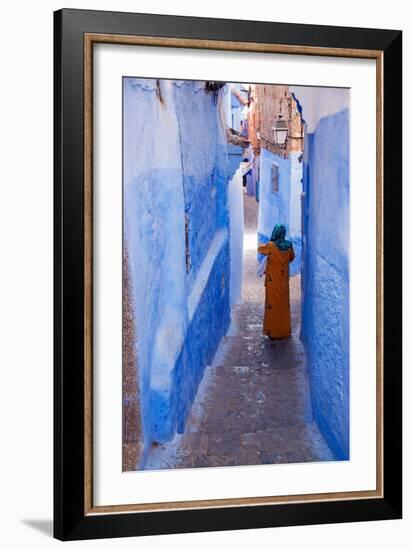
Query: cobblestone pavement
{"type": "Point", "coordinates": [253, 404]}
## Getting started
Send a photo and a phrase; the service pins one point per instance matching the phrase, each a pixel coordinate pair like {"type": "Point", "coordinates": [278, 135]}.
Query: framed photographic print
{"type": "Point", "coordinates": [227, 274]}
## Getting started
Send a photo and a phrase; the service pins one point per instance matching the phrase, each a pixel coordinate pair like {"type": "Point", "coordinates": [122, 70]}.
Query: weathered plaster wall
{"type": "Point", "coordinates": [325, 315]}
{"type": "Point", "coordinates": [175, 168]}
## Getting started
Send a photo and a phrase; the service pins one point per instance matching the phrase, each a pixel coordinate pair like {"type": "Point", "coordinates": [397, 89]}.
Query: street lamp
{"type": "Point", "coordinates": [280, 131]}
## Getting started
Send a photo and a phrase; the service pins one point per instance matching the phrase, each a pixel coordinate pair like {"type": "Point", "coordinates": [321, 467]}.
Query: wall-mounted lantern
{"type": "Point", "coordinates": [280, 131]}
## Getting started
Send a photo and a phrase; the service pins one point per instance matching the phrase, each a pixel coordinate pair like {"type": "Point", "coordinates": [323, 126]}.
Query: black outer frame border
{"type": "Point", "coordinates": [70, 523]}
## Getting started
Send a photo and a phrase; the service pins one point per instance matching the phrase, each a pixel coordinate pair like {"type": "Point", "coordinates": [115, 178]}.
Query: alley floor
{"type": "Point", "coordinates": [253, 404]}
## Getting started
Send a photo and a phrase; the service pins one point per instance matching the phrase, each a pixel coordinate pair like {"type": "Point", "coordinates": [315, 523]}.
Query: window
{"type": "Point", "coordinates": [275, 178]}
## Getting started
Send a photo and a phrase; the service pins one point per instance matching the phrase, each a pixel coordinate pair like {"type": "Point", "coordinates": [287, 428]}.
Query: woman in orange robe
{"type": "Point", "coordinates": [279, 252]}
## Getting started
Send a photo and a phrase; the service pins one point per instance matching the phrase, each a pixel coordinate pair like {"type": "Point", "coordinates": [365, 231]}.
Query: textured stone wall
{"type": "Point", "coordinates": [132, 428]}
{"type": "Point", "coordinates": [176, 233]}
{"type": "Point", "coordinates": [270, 101]}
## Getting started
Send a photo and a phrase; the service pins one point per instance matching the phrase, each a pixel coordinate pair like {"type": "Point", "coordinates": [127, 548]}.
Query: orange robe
{"type": "Point", "coordinates": [276, 322]}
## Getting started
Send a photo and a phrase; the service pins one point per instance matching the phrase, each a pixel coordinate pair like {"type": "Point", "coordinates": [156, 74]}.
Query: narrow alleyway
{"type": "Point", "coordinates": [253, 404]}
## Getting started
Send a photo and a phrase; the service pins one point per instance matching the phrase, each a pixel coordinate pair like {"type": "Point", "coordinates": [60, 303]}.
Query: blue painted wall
{"type": "Point", "coordinates": [325, 276]}
{"type": "Point", "coordinates": [210, 322]}
{"type": "Point", "coordinates": [282, 206]}
{"type": "Point", "coordinates": [175, 166]}
{"type": "Point", "coordinates": [205, 168]}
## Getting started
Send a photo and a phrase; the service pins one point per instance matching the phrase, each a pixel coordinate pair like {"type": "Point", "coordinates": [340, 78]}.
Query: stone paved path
{"type": "Point", "coordinates": [253, 404]}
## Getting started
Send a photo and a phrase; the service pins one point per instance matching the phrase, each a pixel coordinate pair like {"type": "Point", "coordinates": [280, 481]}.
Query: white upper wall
{"type": "Point", "coordinates": [227, 104]}
{"type": "Point", "coordinates": [318, 102]}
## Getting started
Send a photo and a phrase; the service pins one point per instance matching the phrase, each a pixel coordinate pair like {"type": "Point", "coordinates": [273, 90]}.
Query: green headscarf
{"type": "Point", "coordinates": [278, 237]}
